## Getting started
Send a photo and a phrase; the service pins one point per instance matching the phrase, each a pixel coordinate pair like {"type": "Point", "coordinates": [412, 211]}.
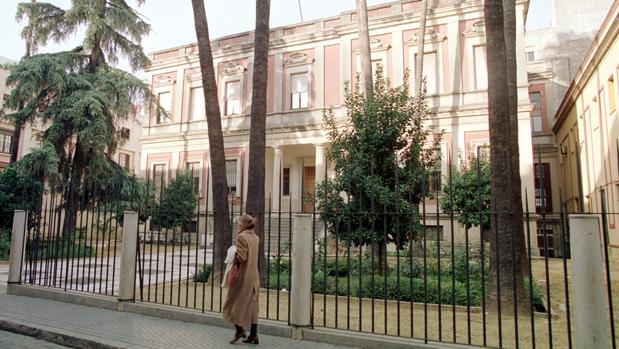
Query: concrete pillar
{"type": "Point", "coordinates": [320, 163]}
{"type": "Point", "coordinates": [591, 318]}
{"type": "Point", "coordinates": [17, 246]}
{"type": "Point", "coordinates": [127, 256]}
{"type": "Point", "coordinates": [300, 296]}
{"type": "Point", "coordinates": [277, 171]}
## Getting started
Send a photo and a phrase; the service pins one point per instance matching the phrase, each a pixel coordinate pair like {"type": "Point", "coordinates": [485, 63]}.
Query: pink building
{"type": "Point", "coordinates": [308, 66]}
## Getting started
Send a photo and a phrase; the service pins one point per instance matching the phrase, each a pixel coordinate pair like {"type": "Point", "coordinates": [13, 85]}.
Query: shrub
{"type": "Point", "coordinates": [5, 244]}
{"type": "Point", "coordinates": [203, 273]}
{"type": "Point", "coordinates": [57, 249]}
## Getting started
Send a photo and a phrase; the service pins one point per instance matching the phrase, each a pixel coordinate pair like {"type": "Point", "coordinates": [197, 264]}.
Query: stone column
{"type": "Point", "coordinates": [321, 169]}
{"type": "Point", "coordinates": [127, 258]}
{"type": "Point", "coordinates": [17, 246]}
{"type": "Point", "coordinates": [591, 318]}
{"type": "Point", "coordinates": [301, 282]}
{"type": "Point", "coordinates": [277, 171]}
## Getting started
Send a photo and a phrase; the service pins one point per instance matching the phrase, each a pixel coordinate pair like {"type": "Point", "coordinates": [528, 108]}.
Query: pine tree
{"type": "Point", "coordinates": [77, 94]}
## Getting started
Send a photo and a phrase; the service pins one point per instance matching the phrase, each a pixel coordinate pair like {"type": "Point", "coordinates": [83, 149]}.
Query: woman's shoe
{"type": "Point", "coordinates": [238, 336]}
{"type": "Point", "coordinates": [251, 340]}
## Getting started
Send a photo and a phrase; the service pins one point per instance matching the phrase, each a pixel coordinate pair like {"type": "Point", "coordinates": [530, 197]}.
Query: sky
{"type": "Point", "coordinates": [172, 20]}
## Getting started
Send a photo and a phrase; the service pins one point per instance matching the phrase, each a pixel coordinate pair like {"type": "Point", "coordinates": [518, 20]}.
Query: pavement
{"type": "Point", "coordinates": [16, 341]}
{"type": "Point", "coordinates": [81, 326]}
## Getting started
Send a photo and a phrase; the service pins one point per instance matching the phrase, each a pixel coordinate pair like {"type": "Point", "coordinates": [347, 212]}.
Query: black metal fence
{"type": "Point", "coordinates": [435, 287]}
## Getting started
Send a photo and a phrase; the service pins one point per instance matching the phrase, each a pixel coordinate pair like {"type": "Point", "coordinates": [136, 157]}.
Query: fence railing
{"type": "Point", "coordinates": [429, 276]}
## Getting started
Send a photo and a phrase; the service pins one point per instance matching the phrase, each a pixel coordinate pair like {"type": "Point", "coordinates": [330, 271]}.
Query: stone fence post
{"type": "Point", "coordinates": [301, 282]}
{"type": "Point", "coordinates": [126, 288]}
{"type": "Point", "coordinates": [17, 247]}
{"type": "Point", "coordinates": [591, 316]}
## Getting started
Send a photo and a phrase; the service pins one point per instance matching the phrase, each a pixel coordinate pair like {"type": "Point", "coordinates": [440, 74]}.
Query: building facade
{"type": "Point", "coordinates": [587, 132]}
{"type": "Point", "coordinates": [6, 128]}
{"type": "Point", "coordinates": [553, 55]}
{"type": "Point", "coordinates": [309, 64]}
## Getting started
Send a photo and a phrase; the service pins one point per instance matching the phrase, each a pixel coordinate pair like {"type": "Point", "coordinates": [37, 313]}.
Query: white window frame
{"type": "Point", "coordinates": [166, 119]}
{"type": "Point", "coordinates": [232, 72]}
{"type": "Point", "coordinates": [300, 94]}
{"type": "Point", "coordinates": [190, 110]}
{"type": "Point", "coordinates": [165, 84]}
{"type": "Point", "coordinates": [433, 42]}
{"type": "Point", "coordinates": [298, 63]}
{"type": "Point", "coordinates": [227, 110]}
{"type": "Point", "coordinates": [478, 85]}
{"type": "Point", "coordinates": [130, 168]}
{"type": "Point", "coordinates": [475, 36]}
{"type": "Point", "coordinates": [200, 169]}
{"type": "Point", "coordinates": [238, 173]}
{"type": "Point", "coordinates": [166, 175]}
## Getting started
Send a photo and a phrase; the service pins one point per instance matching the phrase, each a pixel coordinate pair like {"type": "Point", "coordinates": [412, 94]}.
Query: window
{"type": "Point", "coordinates": [481, 69]}
{"type": "Point", "coordinates": [193, 169]}
{"type": "Point", "coordinates": [430, 72]}
{"type": "Point", "coordinates": [159, 177]}
{"type": "Point", "coordinates": [5, 143]}
{"type": "Point", "coordinates": [231, 177]}
{"type": "Point", "coordinates": [286, 181]}
{"type": "Point", "coordinates": [165, 101]}
{"type": "Point", "coordinates": [543, 193]}
{"type": "Point", "coordinates": [434, 180]}
{"type": "Point", "coordinates": [233, 98]}
{"type": "Point", "coordinates": [530, 56]}
{"type": "Point", "coordinates": [124, 160]}
{"type": "Point", "coordinates": [299, 90]}
{"type": "Point", "coordinates": [125, 133]}
{"type": "Point", "coordinates": [480, 148]}
{"type": "Point", "coordinates": [536, 114]}
{"type": "Point", "coordinates": [196, 108]}
{"type": "Point", "coordinates": [375, 64]}
{"type": "Point", "coordinates": [612, 104]}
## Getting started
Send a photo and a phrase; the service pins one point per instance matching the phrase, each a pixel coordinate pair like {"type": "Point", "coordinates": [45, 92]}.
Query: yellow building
{"type": "Point", "coordinates": [586, 130]}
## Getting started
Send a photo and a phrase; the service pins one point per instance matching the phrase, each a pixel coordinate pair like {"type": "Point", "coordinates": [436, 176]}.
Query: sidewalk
{"type": "Point", "coordinates": [125, 330]}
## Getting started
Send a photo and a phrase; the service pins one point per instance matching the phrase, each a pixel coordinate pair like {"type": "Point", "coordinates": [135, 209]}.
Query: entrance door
{"type": "Point", "coordinates": [309, 186]}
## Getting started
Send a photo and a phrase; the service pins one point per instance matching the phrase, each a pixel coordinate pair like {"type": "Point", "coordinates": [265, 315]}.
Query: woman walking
{"type": "Point", "coordinates": [241, 306]}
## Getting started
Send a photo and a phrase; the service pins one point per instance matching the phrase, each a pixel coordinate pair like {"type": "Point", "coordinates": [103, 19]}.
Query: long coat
{"type": "Point", "coordinates": [241, 306]}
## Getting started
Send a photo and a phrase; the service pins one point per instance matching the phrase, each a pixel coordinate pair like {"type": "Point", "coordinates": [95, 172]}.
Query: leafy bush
{"type": "Point", "coordinates": [5, 244]}
{"type": "Point", "coordinates": [58, 249]}
{"type": "Point", "coordinates": [204, 272]}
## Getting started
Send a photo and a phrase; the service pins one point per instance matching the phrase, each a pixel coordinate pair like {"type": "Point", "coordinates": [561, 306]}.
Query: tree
{"type": "Point", "coordinates": [364, 47]}
{"type": "Point", "coordinates": [257, 135]}
{"type": "Point", "coordinates": [77, 94]}
{"type": "Point", "coordinates": [468, 193]}
{"type": "Point", "coordinates": [178, 203]}
{"type": "Point", "coordinates": [221, 222]}
{"type": "Point", "coordinates": [30, 48]}
{"type": "Point", "coordinates": [18, 192]}
{"type": "Point", "coordinates": [507, 245]}
{"type": "Point", "coordinates": [381, 161]}
{"type": "Point", "coordinates": [421, 41]}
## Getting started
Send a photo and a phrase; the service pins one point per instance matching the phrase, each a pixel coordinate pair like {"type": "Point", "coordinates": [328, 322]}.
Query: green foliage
{"type": "Point", "coordinates": [5, 244]}
{"type": "Point", "coordinates": [17, 191]}
{"type": "Point", "coordinates": [178, 203]}
{"type": "Point", "coordinates": [78, 96]}
{"type": "Point", "coordinates": [204, 271]}
{"type": "Point", "coordinates": [134, 194]}
{"type": "Point", "coordinates": [380, 158]}
{"type": "Point", "coordinates": [469, 195]}
{"type": "Point", "coordinates": [58, 249]}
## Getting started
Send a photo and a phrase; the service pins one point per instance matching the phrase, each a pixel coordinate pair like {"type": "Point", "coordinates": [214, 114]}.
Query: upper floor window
{"type": "Point", "coordinates": [159, 177]}
{"type": "Point", "coordinates": [231, 176]}
{"type": "Point", "coordinates": [197, 108]}
{"type": "Point", "coordinates": [481, 69]}
{"type": "Point", "coordinates": [165, 101]}
{"type": "Point", "coordinates": [233, 97]}
{"type": "Point", "coordinates": [125, 133]}
{"type": "Point", "coordinates": [536, 114]}
{"type": "Point", "coordinates": [430, 72]}
{"type": "Point", "coordinates": [5, 143]}
{"type": "Point", "coordinates": [299, 91]}
{"type": "Point", "coordinates": [530, 56]}
{"type": "Point", "coordinates": [124, 160]}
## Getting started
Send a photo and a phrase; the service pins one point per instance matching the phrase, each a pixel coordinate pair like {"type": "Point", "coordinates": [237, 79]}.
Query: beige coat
{"type": "Point", "coordinates": [241, 306]}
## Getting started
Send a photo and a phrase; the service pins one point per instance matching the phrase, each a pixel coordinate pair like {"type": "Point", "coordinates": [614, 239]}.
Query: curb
{"type": "Point", "coordinates": [53, 337]}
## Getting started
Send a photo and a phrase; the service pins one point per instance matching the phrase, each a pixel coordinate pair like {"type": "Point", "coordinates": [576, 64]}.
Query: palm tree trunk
{"type": "Point", "coordinates": [221, 224]}
{"type": "Point", "coordinates": [506, 279]}
{"type": "Point", "coordinates": [364, 48]}
{"type": "Point", "coordinates": [257, 136]}
{"type": "Point", "coordinates": [421, 41]}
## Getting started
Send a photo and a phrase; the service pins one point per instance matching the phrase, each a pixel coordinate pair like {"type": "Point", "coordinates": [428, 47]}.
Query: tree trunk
{"type": "Point", "coordinates": [506, 279]}
{"type": "Point", "coordinates": [381, 250]}
{"type": "Point", "coordinates": [72, 192]}
{"type": "Point", "coordinates": [364, 48]}
{"type": "Point", "coordinates": [221, 223]}
{"type": "Point", "coordinates": [257, 135]}
{"type": "Point", "coordinates": [421, 41]}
